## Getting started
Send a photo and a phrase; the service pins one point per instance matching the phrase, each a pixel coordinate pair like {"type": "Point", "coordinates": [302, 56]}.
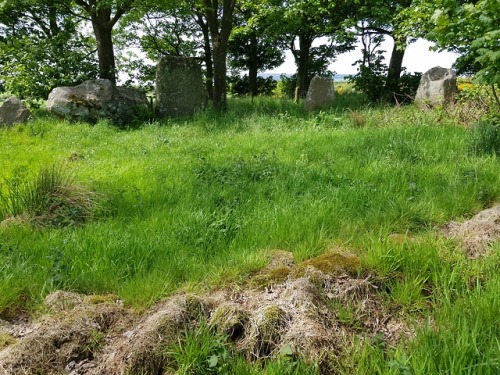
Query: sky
{"type": "Point", "coordinates": [418, 58]}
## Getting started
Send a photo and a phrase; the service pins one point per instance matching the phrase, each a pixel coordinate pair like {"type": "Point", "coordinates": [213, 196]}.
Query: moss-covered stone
{"type": "Point", "coordinates": [329, 263]}
{"type": "Point", "coordinates": [273, 276]}
{"type": "Point", "coordinates": [179, 87]}
{"type": "Point", "coordinates": [97, 299]}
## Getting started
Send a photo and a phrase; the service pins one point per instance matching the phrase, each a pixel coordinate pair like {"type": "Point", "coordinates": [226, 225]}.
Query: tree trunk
{"type": "Point", "coordinates": [220, 30]}
{"type": "Point", "coordinates": [394, 71]}
{"type": "Point", "coordinates": [207, 58]}
{"type": "Point", "coordinates": [103, 21]}
{"type": "Point", "coordinates": [302, 57]}
{"type": "Point", "coordinates": [54, 27]}
{"type": "Point", "coordinates": [253, 66]}
{"type": "Point", "coordinates": [105, 52]}
{"type": "Point", "coordinates": [220, 91]}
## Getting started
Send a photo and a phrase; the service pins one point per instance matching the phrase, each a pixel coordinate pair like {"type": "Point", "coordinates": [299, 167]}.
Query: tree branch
{"type": "Point", "coordinates": [84, 5]}
{"type": "Point", "coordinates": [70, 10]}
{"type": "Point", "coordinates": [495, 94]}
{"type": "Point", "coordinates": [119, 13]}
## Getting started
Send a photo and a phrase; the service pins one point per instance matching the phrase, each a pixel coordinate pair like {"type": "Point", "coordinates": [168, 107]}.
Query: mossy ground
{"type": "Point", "coordinates": [6, 339]}
{"type": "Point", "coordinates": [332, 263]}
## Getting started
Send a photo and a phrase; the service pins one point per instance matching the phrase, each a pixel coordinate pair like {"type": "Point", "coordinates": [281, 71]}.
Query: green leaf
{"type": "Point", "coordinates": [286, 351]}
{"type": "Point", "coordinates": [213, 361]}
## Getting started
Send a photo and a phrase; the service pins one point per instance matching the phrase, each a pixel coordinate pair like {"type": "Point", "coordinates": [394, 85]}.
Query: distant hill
{"type": "Point", "coordinates": [276, 76]}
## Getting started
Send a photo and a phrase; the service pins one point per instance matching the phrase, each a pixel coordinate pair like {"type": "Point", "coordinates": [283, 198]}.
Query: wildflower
{"type": "Point", "coordinates": [464, 86]}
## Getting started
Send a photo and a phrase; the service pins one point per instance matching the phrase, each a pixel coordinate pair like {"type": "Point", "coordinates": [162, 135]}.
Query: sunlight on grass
{"type": "Point", "coordinates": [195, 203]}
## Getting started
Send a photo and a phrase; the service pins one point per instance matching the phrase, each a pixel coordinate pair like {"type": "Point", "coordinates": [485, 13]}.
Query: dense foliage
{"type": "Point", "coordinates": [50, 43]}
{"type": "Point", "coordinates": [471, 28]}
{"type": "Point", "coordinates": [42, 47]}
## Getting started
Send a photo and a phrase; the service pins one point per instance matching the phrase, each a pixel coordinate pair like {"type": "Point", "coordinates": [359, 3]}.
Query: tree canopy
{"type": "Point", "coordinates": [42, 47]}
{"type": "Point", "coordinates": [63, 42]}
{"type": "Point", "coordinates": [470, 28]}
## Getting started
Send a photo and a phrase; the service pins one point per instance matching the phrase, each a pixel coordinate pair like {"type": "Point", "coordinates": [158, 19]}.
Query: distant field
{"type": "Point", "coordinates": [276, 76]}
{"type": "Point", "coordinates": [197, 203]}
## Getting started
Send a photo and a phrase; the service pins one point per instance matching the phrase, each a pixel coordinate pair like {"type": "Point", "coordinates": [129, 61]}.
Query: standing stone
{"type": "Point", "coordinates": [97, 99]}
{"type": "Point", "coordinates": [180, 89]}
{"type": "Point", "coordinates": [437, 87]}
{"type": "Point", "coordinates": [13, 112]}
{"type": "Point", "coordinates": [319, 94]}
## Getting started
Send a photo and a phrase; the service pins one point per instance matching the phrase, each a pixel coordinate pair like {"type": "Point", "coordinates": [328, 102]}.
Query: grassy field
{"type": "Point", "coordinates": [197, 203]}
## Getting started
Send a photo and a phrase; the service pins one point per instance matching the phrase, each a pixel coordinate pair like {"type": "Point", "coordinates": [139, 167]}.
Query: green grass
{"type": "Point", "coordinates": [196, 202]}
{"type": "Point", "coordinates": [200, 351]}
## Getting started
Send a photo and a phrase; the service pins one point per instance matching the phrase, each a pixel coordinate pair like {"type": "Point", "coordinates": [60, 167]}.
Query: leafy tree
{"type": "Point", "coordinates": [164, 30]}
{"type": "Point", "coordinates": [471, 28]}
{"type": "Point", "coordinates": [371, 67]}
{"type": "Point", "coordinates": [41, 48]}
{"type": "Point", "coordinates": [301, 23]}
{"type": "Point", "coordinates": [239, 86]}
{"type": "Point", "coordinates": [169, 28]}
{"type": "Point", "coordinates": [104, 14]}
{"type": "Point", "coordinates": [251, 46]}
{"type": "Point", "coordinates": [376, 21]}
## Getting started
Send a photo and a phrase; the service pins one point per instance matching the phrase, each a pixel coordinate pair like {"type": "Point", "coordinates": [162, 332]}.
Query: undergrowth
{"type": "Point", "coordinates": [486, 136]}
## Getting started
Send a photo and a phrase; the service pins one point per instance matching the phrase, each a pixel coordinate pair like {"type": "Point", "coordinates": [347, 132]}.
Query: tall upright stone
{"type": "Point", "coordinates": [320, 93]}
{"type": "Point", "coordinates": [437, 87]}
{"type": "Point", "coordinates": [13, 112]}
{"type": "Point", "coordinates": [180, 89]}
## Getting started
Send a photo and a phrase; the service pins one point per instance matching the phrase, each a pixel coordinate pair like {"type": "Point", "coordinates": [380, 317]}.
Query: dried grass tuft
{"type": "Point", "coordinates": [477, 234]}
{"type": "Point", "coordinates": [229, 320]}
{"type": "Point", "coordinates": [267, 326]}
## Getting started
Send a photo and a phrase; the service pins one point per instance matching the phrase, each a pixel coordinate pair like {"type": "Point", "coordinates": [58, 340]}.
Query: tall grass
{"type": "Point", "coordinates": [198, 202]}
{"type": "Point", "coordinates": [51, 198]}
{"type": "Point", "coordinates": [486, 136]}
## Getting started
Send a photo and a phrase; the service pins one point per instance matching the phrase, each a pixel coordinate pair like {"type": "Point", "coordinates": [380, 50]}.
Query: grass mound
{"type": "Point", "coordinates": [53, 198]}
{"type": "Point", "coordinates": [297, 318]}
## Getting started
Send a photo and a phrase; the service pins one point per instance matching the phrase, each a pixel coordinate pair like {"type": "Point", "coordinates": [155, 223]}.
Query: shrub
{"type": "Point", "coordinates": [51, 199]}
{"type": "Point", "coordinates": [370, 80]}
{"type": "Point", "coordinates": [408, 86]}
{"type": "Point", "coordinates": [474, 102]}
{"type": "Point", "coordinates": [286, 87]}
